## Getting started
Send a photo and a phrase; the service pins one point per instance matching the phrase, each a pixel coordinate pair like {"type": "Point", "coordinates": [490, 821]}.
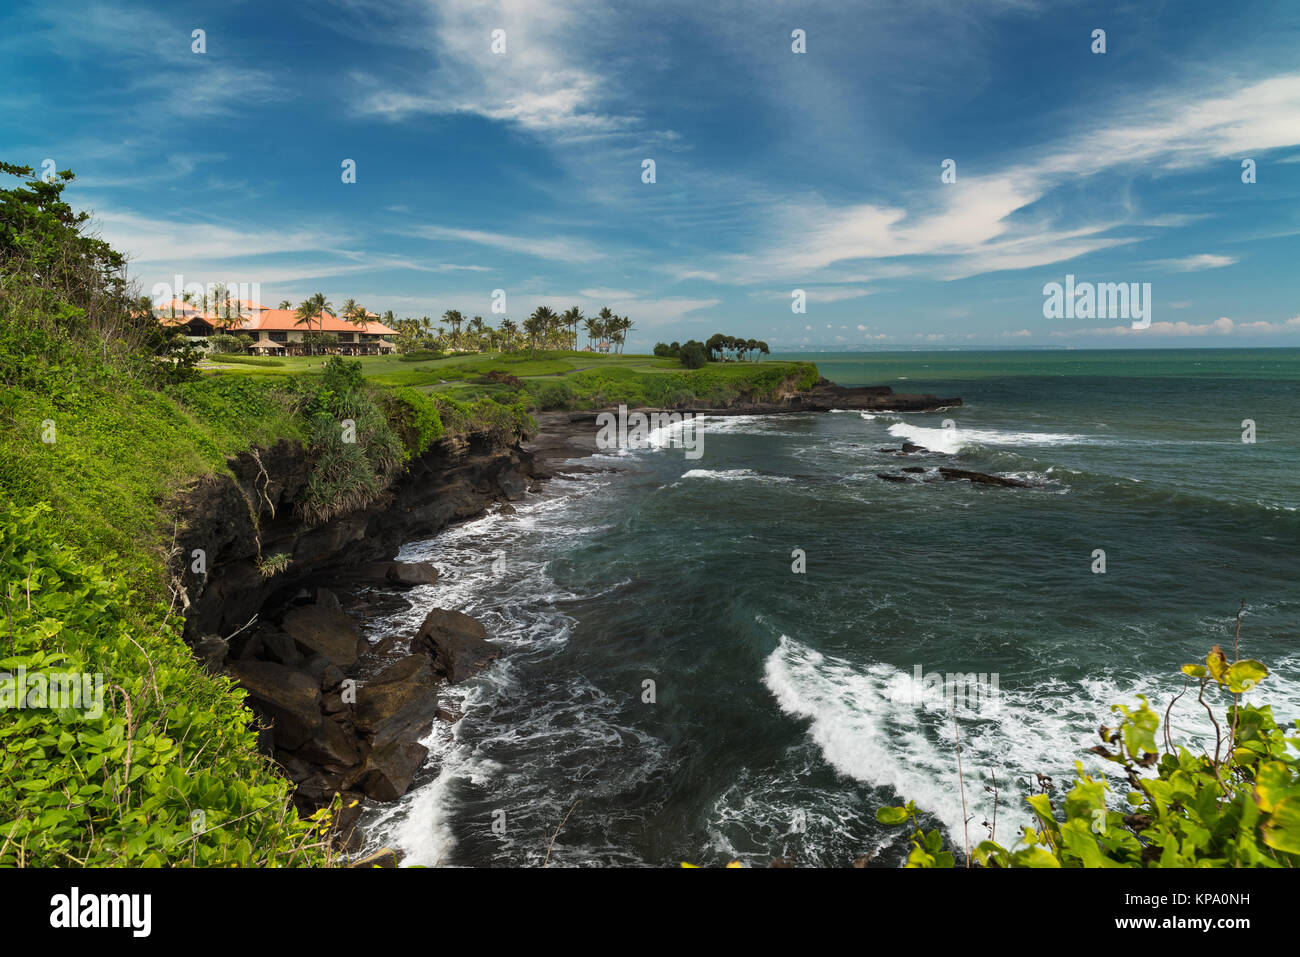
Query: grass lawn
{"type": "Point", "coordinates": [450, 374]}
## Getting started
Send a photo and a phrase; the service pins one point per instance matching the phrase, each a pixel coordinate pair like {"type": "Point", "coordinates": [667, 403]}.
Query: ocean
{"type": "Point", "coordinates": [682, 690]}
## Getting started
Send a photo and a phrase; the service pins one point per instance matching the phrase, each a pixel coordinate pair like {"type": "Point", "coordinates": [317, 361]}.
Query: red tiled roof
{"type": "Point", "coordinates": [284, 320]}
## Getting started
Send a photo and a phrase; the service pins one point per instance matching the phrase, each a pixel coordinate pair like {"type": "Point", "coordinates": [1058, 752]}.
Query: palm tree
{"type": "Point", "coordinates": [454, 319]}
{"type": "Point", "coordinates": [591, 326]}
{"type": "Point", "coordinates": [557, 333]}
{"type": "Point", "coordinates": [355, 313]}
{"type": "Point", "coordinates": [314, 307]}
{"type": "Point", "coordinates": [509, 330]}
{"type": "Point", "coordinates": [285, 304]}
{"type": "Point", "coordinates": [234, 315]}
{"type": "Point", "coordinates": [607, 318]}
{"type": "Point", "coordinates": [572, 316]}
{"type": "Point", "coordinates": [539, 324]}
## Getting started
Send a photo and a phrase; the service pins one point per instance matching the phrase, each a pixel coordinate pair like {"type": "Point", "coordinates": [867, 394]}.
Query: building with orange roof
{"type": "Point", "coordinates": [276, 332]}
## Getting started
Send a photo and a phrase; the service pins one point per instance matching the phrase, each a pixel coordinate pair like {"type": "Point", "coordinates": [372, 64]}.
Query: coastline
{"type": "Point", "coordinates": [345, 717]}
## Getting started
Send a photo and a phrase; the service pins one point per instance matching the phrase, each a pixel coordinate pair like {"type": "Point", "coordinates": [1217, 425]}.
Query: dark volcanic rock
{"type": "Point", "coordinates": [412, 573]}
{"type": "Point", "coordinates": [288, 698]}
{"type": "Point", "coordinates": [330, 745]}
{"type": "Point", "coordinates": [889, 477]}
{"type": "Point", "coordinates": [389, 769]}
{"type": "Point", "coordinates": [325, 631]}
{"type": "Point", "coordinates": [212, 650]}
{"type": "Point", "coordinates": [981, 478]}
{"type": "Point", "coordinates": [401, 697]}
{"type": "Point", "coordinates": [458, 643]}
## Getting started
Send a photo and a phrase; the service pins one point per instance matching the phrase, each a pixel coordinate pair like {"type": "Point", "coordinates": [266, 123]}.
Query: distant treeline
{"type": "Point", "coordinates": [719, 345]}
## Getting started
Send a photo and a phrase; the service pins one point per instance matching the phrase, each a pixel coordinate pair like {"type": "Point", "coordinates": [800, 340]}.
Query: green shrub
{"type": "Point", "coordinates": [356, 452]}
{"type": "Point", "coordinates": [693, 355]}
{"type": "Point", "coordinates": [554, 395]}
{"type": "Point", "coordinates": [415, 417]}
{"type": "Point", "coordinates": [224, 343]}
{"type": "Point", "coordinates": [162, 768]}
{"type": "Point", "coordinates": [264, 361]}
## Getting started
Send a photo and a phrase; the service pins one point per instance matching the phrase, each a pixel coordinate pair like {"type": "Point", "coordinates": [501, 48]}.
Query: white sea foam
{"type": "Point", "coordinates": [733, 475]}
{"type": "Point", "coordinates": [955, 439]}
{"type": "Point", "coordinates": [860, 727]}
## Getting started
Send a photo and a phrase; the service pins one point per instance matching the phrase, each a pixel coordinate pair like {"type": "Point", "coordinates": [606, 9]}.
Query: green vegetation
{"type": "Point", "coordinates": [570, 380]}
{"type": "Point", "coordinates": [101, 417]}
{"type": "Point", "coordinates": [1237, 807]}
{"type": "Point", "coordinates": [104, 416]}
{"type": "Point", "coordinates": [694, 354]}
{"type": "Point", "coordinates": [153, 763]}
{"type": "Point", "coordinates": [265, 362]}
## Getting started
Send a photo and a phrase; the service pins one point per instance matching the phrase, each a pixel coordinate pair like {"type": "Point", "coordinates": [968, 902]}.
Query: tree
{"type": "Point", "coordinates": [454, 319]}
{"type": "Point", "coordinates": [693, 354]}
{"type": "Point", "coordinates": [539, 324]}
{"type": "Point", "coordinates": [715, 344]}
{"type": "Point", "coordinates": [355, 313]}
{"type": "Point", "coordinates": [234, 314]}
{"type": "Point", "coordinates": [314, 307]}
{"type": "Point", "coordinates": [285, 304]}
{"type": "Point", "coordinates": [510, 330]}
{"type": "Point", "coordinates": [572, 317]}
{"type": "Point", "coordinates": [606, 324]}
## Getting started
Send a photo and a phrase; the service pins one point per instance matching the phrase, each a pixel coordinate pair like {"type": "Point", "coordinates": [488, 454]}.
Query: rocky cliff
{"type": "Point", "coordinates": [339, 715]}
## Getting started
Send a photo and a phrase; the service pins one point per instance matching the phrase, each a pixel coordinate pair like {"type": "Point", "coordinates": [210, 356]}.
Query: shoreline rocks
{"type": "Point", "coordinates": [343, 717]}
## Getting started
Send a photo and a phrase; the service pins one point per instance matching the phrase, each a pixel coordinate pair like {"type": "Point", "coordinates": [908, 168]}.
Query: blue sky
{"type": "Point", "coordinates": [774, 171]}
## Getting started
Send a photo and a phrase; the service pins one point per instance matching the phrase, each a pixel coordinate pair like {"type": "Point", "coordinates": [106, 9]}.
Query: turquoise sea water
{"type": "Point", "coordinates": [781, 719]}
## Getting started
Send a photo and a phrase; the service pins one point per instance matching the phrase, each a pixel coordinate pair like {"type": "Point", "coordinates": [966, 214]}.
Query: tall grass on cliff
{"type": "Point", "coordinates": [101, 418]}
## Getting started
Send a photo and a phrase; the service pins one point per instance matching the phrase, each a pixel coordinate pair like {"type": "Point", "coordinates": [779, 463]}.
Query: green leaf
{"type": "Point", "coordinates": [1244, 675]}
{"type": "Point", "coordinates": [1273, 784]}
{"type": "Point", "coordinates": [1282, 830]}
{"type": "Point", "coordinates": [1036, 857]}
{"type": "Point", "coordinates": [891, 815]}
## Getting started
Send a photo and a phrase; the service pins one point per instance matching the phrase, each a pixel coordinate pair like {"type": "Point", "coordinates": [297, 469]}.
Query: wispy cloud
{"type": "Point", "coordinates": [969, 227]}
{"type": "Point", "coordinates": [1223, 326]}
{"type": "Point", "coordinates": [1195, 263]}
{"type": "Point", "coordinates": [561, 249]}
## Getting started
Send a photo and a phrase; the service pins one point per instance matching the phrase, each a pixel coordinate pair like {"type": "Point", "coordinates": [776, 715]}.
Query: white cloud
{"type": "Point", "coordinates": [966, 227]}
{"type": "Point", "coordinates": [1196, 263]}
{"type": "Point", "coordinates": [1223, 326]}
{"type": "Point", "coordinates": [557, 248]}
{"type": "Point", "coordinates": [546, 81]}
